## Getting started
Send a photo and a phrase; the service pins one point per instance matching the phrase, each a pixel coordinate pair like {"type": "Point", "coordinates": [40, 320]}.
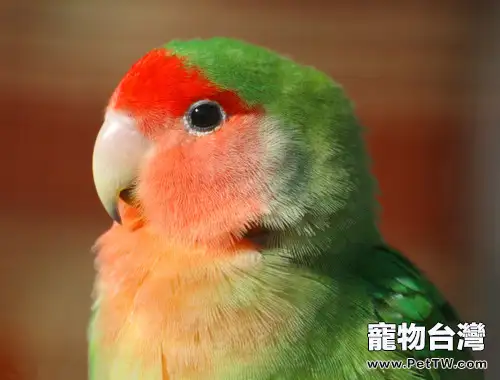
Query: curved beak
{"type": "Point", "coordinates": [118, 153]}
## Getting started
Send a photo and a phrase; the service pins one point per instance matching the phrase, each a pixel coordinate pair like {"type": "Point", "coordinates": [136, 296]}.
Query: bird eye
{"type": "Point", "coordinates": [203, 117]}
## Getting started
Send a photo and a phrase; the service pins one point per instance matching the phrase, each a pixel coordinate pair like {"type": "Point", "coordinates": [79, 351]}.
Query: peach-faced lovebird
{"type": "Point", "coordinates": [244, 242]}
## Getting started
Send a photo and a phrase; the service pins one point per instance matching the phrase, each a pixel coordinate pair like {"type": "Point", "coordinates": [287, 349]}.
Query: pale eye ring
{"type": "Point", "coordinates": [203, 117]}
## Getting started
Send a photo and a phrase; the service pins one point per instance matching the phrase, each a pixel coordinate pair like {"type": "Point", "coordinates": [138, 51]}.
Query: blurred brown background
{"type": "Point", "coordinates": [413, 69]}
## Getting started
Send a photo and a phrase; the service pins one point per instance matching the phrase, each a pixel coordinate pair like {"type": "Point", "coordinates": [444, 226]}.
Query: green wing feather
{"type": "Point", "coordinates": [400, 293]}
{"type": "Point", "coordinates": [93, 352]}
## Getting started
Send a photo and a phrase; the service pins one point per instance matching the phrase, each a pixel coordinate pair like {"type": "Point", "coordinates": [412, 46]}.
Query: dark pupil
{"type": "Point", "coordinates": [206, 115]}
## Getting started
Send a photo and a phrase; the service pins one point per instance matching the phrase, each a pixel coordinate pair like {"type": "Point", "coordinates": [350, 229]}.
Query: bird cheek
{"type": "Point", "coordinates": [158, 126]}
{"type": "Point", "coordinates": [169, 139]}
{"type": "Point", "coordinates": [202, 187]}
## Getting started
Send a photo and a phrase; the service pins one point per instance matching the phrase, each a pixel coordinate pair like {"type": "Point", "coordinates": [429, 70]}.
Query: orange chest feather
{"type": "Point", "coordinates": [160, 299]}
{"type": "Point", "coordinates": [157, 285]}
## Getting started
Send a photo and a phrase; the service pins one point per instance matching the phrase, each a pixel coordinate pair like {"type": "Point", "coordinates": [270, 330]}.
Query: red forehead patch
{"type": "Point", "coordinates": [161, 84]}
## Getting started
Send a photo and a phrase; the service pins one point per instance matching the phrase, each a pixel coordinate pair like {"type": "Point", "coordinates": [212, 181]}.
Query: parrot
{"type": "Point", "coordinates": [244, 242]}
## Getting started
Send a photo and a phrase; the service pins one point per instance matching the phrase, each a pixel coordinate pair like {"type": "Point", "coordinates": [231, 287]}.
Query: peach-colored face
{"type": "Point", "coordinates": [191, 186]}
